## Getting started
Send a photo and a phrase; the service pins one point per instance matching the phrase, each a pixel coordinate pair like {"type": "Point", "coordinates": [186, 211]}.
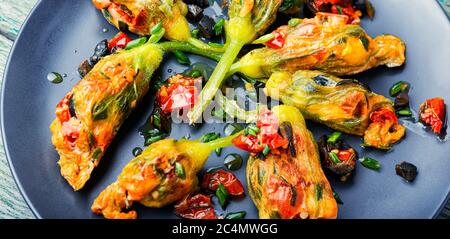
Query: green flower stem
{"type": "Point", "coordinates": [187, 47]}
{"type": "Point", "coordinates": [203, 46]}
{"type": "Point", "coordinates": [215, 81]}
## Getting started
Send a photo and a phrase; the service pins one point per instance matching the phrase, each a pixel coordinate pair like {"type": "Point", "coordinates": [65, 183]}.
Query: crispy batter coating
{"type": "Point", "coordinates": [287, 186]}
{"type": "Point", "coordinates": [90, 115]}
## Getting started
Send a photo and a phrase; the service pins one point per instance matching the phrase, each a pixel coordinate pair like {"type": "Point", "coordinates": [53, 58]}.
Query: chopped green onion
{"type": "Point", "coordinates": [263, 39]}
{"type": "Point", "coordinates": [218, 151]}
{"type": "Point", "coordinates": [404, 112]}
{"type": "Point", "coordinates": [135, 43]}
{"type": "Point", "coordinates": [209, 137]}
{"type": "Point", "coordinates": [151, 140]}
{"type": "Point", "coordinates": [216, 45]}
{"type": "Point", "coordinates": [254, 128]}
{"type": "Point", "coordinates": [154, 38]}
{"type": "Point", "coordinates": [236, 215]}
{"type": "Point", "coordinates": [195, 74]}
{"type": "Point", "coordinates": [266, 150]}
{"type": "Point", "coordinates": [334, 137]}
{"type": "Point", "coordinates": [370, 163]}
{"type": "Point", "coordinates": [181, 57]}
{"type": "Point", "coordinates": [294, 22]}
{"type": "Point", "coordinates": [156, 28]}
{"type": "Point", "coordinates": [337, 198]}
{"type": "Point", "coordinates": [222, 194]}
{"type": "Point", "coordinates": [218, 27]}
{"type": "Point", "coordinates": [179, 170]}
{"type": "Point", "coordinates": [156, 119]}
{"type": "Point", "coordinates": [398, 87]}
{"type": "Point", "coordinates": [195, 33]}
{"type": "Point", "coordinates": [334, 158]}
{"type": "Point", "coordinates": [339, 9]}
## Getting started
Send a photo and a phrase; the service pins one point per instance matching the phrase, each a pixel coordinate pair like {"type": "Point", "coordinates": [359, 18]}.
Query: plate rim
{"type": "Point", "coordinates": [2, 125]}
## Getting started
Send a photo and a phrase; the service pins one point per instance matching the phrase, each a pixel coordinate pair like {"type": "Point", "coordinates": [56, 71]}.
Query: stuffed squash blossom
{"type": "Point", "coordinates": [165, 172]}
{"type": "Point", "coordinates": [140, 16]}
{"type": "Point", "coordinates": [326, 43]}
{"type": "Point", "coordinates": [344, 105]}
{"type": "Point", "coordinates": [89, 116]}
{"type": "Point", "coordinates": [289, 183]}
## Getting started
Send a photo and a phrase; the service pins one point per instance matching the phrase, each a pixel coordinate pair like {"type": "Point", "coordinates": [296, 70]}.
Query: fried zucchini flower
{"type": "Point", "coordinates": [165, 172]}
{"type": "Point", "coordinates": [89, 116]}
{"type": "Point", "coordinates": [247, 20]}
{"type": "Point", "coordinates": [140, 16]}
{"type": "Point", "coordinates": [326, 43]}
{"type": "Point", "coordinates": [288, 183]}
{"type": "Point", "coordinates": [344, 105]}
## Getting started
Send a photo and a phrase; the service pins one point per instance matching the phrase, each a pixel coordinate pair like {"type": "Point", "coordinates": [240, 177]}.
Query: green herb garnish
{"type": "Point", "coordinates": [218, 27]}
{"type": "Point", "coordinates": [181, 57]}
{"type": "Point", "coordinates": [334, 137]}
{"type": "Point", "coordinates": [222, 194]}
{"type": "Point", "coordinates": [294, 22]}
{"type": "Point", "coordinates": [209, 137]}
{"type": "Point", "coordinates": [370, 163]}
{"type": "Point", "coordinates": [266, 150]}
{"type": "Point", "coordinates": [179, 170]}
{"type": "Point", "coordinates": [235, 215]}
{"type": "Point", "coordinates": [135, 43]}
{"type": "Point", "coordinates": [404, 112]}
{"type": "Point", "coordinates": [334, 158]}
{"type": "Point", "coordinates": [398, 87]}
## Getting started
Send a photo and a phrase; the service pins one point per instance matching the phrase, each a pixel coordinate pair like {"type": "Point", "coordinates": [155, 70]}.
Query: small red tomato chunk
{"type": "Point", "coordinates": [268, 135]}
{"type": "Point", "coordinates": [180, 93]}
{"type": "Point", "coordinates": [383, 115]}
{"type": "Point", "coordinates": [345, 155]}
{"type": "Point", "coordinates": [198, 206]}
{"type": "Point", "coordinates": [432, 112]}
{"type": "Point", "coordinates": [231, 183]}
{"type": "Point", "coordinates": [278, 41]}
{"type": "Point", "coordinates": [120, 40]}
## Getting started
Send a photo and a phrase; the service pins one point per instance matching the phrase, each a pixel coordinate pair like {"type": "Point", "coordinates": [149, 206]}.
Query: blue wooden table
{"type": "Point", "coordinates": [12, 15]}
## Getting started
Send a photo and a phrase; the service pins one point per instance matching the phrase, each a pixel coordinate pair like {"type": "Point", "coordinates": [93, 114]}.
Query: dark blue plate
{"type": "Point", "coordinates": [58, 35]}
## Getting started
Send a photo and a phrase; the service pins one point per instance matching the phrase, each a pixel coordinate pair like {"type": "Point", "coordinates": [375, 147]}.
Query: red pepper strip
{"type": "Point", "coordinates": [196, 207]}
{"type": "Point", "coordinates": [382, 115]}
{"type": "Point", "coordinates": [212, 180]}
{"type": "Point", "coordinates": [278, 41]}
{"type": "Point", "coordinates": [120, 40]}
{"type": "Point", "coordinates": [432, 113]}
